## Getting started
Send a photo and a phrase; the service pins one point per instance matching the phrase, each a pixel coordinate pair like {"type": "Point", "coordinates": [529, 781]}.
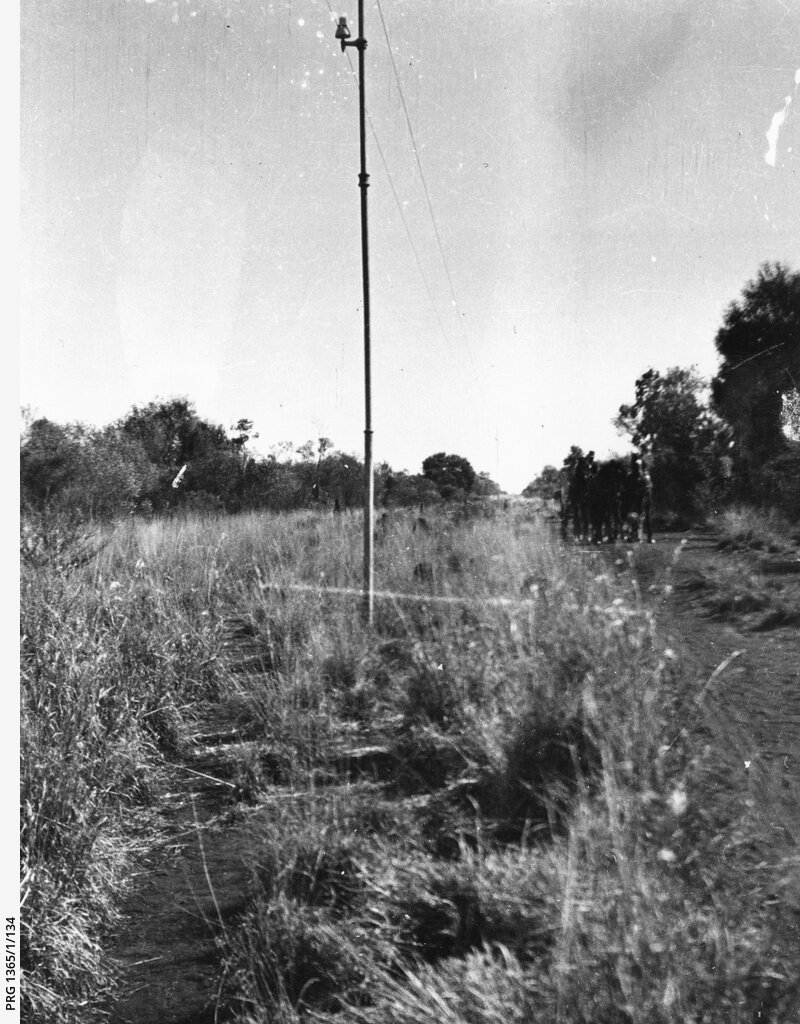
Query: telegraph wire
{"type": "Point", "coordinates": [400, 206]}
{"type": "Point", "coordinates": [398, 596]}
{"type": "Point", "coordinates": [434, 307]}
{"type": "Point", "coordinates": [422, 179]}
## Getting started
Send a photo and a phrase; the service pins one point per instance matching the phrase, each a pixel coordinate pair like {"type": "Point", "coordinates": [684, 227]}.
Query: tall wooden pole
{"type": "Point", "coordinates": [368, 587]}
{"type": "Point", "coordinates": [369, 479]}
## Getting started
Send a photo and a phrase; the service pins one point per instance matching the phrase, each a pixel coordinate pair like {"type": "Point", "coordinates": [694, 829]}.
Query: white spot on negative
{"type": "Point", "coordinates": [774, 131]}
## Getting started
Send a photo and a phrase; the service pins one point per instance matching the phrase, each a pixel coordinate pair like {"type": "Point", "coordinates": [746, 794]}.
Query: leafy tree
{"type": "Point", "coordinates": [485, 487]}
{"type": "Point", "coordinates": [402, 489]}
{"type": "Point", "coordinates": [544, 484]}
{"type": "Point", "coordinates": [114, 473]}
{"type": "Point", "coordinates": [214, 478]}
{"type": "Point", "coordinates": [164, 429]}
{"type": "Point", "coordinates": [242, 432]}
{"type": "Point", "coordinates": [681, 439]}
{"type": "Point", "coordinates": [451, 474]}
{"type": "Point", "coordinates": [574, 457]}
{"type": "Point", "coordinates": [309, 469]}
{"type": "Point", "coordinates": [97, 473]}
{"type": "Point", "coordinates": [173, 435]}
{"type": "Point", "coordinates": [341, 480]}
{"type": "Point", "coordinates": [759, 344]}
{"type": "Point", "coordinates": [275, 485]}
{"type": "Point", "coordinates": [50, 459]}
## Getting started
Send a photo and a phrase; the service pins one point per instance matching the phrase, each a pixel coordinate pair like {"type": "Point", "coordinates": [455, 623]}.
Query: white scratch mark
{"type": "Point", "coordinates": [776, 124]}
{"type": "Point", "coordinates": [773, 132]}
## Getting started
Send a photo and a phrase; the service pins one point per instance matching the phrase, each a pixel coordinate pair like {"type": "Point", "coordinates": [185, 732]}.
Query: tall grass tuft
{"type": "Point", "coordinates": [114, 656]}
{"type": "Point", "coordinates": [752, 529]}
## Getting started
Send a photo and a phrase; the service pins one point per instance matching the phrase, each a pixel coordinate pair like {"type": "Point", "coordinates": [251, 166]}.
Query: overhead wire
{"type": "Point", "coordinates": [397, 201]}
{"type": "Point", "coordinates": [397, 198]}
{"type": "Point", "coordinates": [422, 179]}
{"type": "Point", "coordinates": [417, 259]}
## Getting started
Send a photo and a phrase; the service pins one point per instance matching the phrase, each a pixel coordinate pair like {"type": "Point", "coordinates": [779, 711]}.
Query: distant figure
{"type": "Point", "coordinates": [388, 487]}
{"type": "Point", "coordinates": [420, 523]}
{"type": "Point", "coordinates": [382, 525]}
{"type": "Point", "coordinates": [423, 572]}
{"type": "Point", "coordinates": [454, 563]}
{"type": "Point", "coordinates": [577, 495]}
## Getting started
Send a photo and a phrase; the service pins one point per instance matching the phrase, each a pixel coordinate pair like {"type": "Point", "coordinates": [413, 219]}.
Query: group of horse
{"type": "Point", "coordinates": [605, 500]}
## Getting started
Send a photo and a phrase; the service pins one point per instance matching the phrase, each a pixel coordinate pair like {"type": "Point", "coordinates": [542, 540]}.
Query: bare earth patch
{"type": "Point", "coordinates": [191, 884]}
{"type": "Point", "coordinates": [739, 610]}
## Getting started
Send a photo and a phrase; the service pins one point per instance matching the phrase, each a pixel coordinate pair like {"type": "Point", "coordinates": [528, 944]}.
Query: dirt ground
{"type": "Point", "coordinates": [734, 616]}
{"type": "Point", "coordinates": [194, 880]}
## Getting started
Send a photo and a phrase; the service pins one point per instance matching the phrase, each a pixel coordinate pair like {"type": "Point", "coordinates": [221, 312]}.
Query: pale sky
{"type": "Point", "coordinates": [594, 181]}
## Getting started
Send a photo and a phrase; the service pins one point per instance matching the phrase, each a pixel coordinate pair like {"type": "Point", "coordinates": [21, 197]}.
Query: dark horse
{"type": "Point", "coordinates": [604, 494]}
{"type": "Point", "coordinates": [574, 495]}
{"type": "Point", "coordinates": [637, 501]}
{"type": "Point", "coordinates": [606, 501]}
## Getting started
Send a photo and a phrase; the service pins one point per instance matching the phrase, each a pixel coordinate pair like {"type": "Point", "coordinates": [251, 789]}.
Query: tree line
{"type": "Point", "coordinates": [136, 464]}
{"type": "Point", "coordinates": [735, 438]}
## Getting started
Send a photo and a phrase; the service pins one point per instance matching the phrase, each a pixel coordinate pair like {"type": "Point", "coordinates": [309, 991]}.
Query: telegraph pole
{"type": "Point", "coordinates": [368, 600]}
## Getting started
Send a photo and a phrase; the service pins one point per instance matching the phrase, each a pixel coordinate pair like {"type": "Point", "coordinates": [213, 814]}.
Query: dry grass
{"type": "Point", "coordinates": [114, 655]}
{"type": "Point", "coordinates": [749, 529]}
{"type": "Point", "coordinates": [525, 839]}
